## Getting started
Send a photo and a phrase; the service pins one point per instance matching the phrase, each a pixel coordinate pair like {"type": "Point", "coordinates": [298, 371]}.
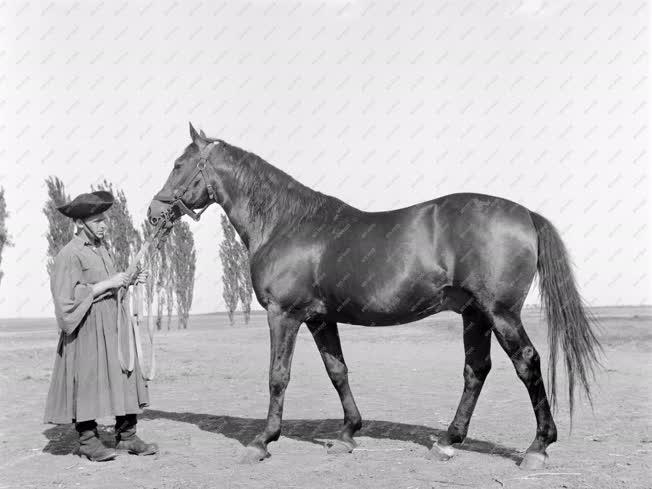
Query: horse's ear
{"type": "Point", "coordinates": [193, 133]}
{"type": "Point", "coordinates": [201, 133]}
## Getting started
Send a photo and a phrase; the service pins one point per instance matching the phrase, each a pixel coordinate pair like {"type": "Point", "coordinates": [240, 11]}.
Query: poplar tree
{"type": "Point", "coordinates": [229, 256]}
{"type": "Point", "coordinates": [60, 227]}
{"type": "Point", "coordinates": [151, 263]}
{"type": "Point", "coordinates": [4, 234]}
{"type": "Point", "coordinates": [183, 268]}
{"type": "Point", "coordinates": [163, 267]}
{"type": "Point", "coordinates": [245, 287]}
{"type": "Point", "coordinates": [167, 278]}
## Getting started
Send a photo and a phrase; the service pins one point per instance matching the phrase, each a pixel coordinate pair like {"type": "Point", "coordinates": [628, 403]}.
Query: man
{"type": "Point", "coordinates": [87, 381]}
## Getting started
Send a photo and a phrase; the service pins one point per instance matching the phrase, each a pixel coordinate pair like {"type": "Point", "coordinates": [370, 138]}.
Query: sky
{"type": "Point", "coordinates": [381, 104]}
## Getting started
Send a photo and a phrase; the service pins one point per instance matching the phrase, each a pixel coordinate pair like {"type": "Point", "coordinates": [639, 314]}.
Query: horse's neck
{"type": "Point", "coordinates": [248, 231]}
{"type": "Point", "coordinates": [256, 230]}
{"type": "Point", "coordinates": [254, 233]}
{"type": "Point", "coordinates": [253, 230]}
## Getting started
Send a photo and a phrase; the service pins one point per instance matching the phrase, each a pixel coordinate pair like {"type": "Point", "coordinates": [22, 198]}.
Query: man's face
{"type": "Point", "coordinates": [97, 224]}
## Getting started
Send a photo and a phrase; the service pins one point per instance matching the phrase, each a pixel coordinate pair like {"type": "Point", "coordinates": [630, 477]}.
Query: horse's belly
{"type": "Point", "coordinates": [388, 309]}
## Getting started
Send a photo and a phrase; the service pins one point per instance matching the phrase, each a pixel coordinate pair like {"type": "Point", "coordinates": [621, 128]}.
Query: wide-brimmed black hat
{"type": "Point", "coordinates": [86, 205]}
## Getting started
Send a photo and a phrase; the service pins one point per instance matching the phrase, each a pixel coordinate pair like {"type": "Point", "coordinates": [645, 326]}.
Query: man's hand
{"type": "Point", "coordinates": [141, 278]}
{"type": "Point", "coordinates": [119, 280]}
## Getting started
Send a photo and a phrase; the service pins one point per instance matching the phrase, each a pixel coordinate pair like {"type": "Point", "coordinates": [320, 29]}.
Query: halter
{"type": "Point", "coordinates": [178, 207]}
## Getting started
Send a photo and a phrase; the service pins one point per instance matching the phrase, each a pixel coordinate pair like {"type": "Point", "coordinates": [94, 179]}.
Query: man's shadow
{"type": "Point", "coordinates": [63, 438]}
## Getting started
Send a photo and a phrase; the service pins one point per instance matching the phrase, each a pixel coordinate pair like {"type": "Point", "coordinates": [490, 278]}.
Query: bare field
{"type": "Point", "coordinates": [210, 398]}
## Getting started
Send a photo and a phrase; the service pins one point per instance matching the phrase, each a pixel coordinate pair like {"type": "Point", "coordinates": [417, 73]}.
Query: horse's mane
{"type": "Point", "coordinates": [272, 193]}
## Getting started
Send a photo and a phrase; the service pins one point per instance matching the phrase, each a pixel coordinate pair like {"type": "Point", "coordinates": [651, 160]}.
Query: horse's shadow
{"type": "Point", "coordinates": [62, 439]}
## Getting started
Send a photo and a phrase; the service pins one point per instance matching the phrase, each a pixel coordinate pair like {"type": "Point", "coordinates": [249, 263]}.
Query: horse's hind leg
{"type": "Point", "coordinates": [512, 337]}
{"type": "Point", "coordinates": [328, 342]}
{"type": "Point", "coordinates": [477, 348]}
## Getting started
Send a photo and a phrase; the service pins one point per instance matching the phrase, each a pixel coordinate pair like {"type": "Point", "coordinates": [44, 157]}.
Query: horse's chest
{"type": "Point", "coordinates": [289, 289]}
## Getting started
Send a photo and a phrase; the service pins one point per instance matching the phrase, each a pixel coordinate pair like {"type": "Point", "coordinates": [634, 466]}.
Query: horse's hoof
{"type": "Point", "coordinates": [440, 452]}
{"type": "Point", "coordinates": [252, 455]}
{"type": "Point", "coordinates": [339, 446]}
{"type": "Point", "coordinates": [533, 461]}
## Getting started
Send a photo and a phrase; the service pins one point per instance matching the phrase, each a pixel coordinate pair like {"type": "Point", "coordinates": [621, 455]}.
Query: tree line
{"type": "Point", "coordinates": [236, 276]}
{"type": "Point", "coordinates": [171, 268]}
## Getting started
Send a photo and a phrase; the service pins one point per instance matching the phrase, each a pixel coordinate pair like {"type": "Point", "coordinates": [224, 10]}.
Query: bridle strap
{"type": "Point", "coordinates": [89, 230]}
{"type": "Point", "coordinates": [177, 194]}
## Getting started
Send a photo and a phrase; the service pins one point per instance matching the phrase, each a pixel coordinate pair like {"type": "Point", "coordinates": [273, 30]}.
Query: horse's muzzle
{"type": "Point", "coordinates": [157, 210]}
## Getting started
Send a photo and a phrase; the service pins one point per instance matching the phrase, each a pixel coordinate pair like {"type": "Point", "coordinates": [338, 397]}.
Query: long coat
{"type": "Point", "coordinates": [87, 381]}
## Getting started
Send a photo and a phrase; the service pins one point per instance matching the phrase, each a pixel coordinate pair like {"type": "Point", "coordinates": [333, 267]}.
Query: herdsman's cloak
{"type": "Point", "coordinates": [87, 381]}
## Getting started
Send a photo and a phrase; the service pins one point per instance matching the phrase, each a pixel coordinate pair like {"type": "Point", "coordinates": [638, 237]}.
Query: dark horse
{"type": "Point", "coordinates": [318, 260]}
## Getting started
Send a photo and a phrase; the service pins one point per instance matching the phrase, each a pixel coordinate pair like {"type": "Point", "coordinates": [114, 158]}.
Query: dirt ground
{"type": "Point", "coordinates": [210, 399]}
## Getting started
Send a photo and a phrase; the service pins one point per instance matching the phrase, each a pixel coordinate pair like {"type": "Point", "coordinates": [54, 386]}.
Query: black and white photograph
{"type": "Point", "coordinates": [331, 244]}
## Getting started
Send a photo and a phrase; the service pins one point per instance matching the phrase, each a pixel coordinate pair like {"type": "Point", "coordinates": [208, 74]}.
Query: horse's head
{"type": "Point", "coordinates": [192, 183]}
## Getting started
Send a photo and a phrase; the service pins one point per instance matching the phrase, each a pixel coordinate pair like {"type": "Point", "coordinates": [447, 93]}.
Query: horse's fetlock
{"type": "Point", "coordinates": [551, 433]}
{"type": "Point", "coordinates": [275, 435]}
{"type": "Point", "coordinates": [355, 424]}
{"type": "Point", "coordinates": [456, 434]}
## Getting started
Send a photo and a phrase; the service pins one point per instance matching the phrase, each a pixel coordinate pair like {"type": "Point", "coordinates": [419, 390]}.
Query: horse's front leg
{"type": "Point", "coordinates": [327, 339]}
{"type": "Point", "coordinates": [283, 334]}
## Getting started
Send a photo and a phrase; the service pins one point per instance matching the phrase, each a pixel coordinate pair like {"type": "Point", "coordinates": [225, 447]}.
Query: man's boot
{"type": "Point", "coordinates": [126, 438]}
{"type": "Point", "coordinates": [90, 445]}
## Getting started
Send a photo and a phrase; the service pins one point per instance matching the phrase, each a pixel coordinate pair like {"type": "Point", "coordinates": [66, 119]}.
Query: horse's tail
{"type": "Point", "coordinates": [568, 321]}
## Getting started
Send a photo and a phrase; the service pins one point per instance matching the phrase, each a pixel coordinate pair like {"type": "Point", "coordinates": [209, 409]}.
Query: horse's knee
{"type": "Point", "coordinates": [337, 370]}
{"type": "Point", "coordinates": [476, 373]}
{"type": "Point", "coordinates": [339, 374]}
{"type": "Point", "coordinates": [278, 382]}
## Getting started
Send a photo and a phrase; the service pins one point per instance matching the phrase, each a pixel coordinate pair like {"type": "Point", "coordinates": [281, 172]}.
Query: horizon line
{"type": "Point", "coordinates": [261, 311]}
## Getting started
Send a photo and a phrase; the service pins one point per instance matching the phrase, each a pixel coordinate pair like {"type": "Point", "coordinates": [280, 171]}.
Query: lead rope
{"type": "Point", "coordinates": [134, 321]}
{"type": "Point", "coordinates": [150, 331]}
{"type": "Point", "coordinates": [125, 368]}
